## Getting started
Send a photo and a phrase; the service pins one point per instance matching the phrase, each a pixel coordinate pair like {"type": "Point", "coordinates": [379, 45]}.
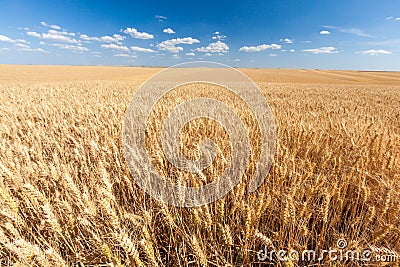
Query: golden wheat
{"type": "Point", "coordinates": [67, 197]}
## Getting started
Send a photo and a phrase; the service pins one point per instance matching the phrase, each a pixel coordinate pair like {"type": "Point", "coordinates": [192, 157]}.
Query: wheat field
{"type": "Point", "coordinates": [68, 199]}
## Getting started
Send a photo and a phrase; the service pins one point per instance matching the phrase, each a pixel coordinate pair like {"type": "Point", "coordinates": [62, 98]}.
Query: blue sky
{"type": "Point", "coordinates": [360, 34]}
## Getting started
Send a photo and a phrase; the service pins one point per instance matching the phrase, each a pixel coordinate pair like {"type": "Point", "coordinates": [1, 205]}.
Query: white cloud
{"type": "Point", "coordinates": [322, 50]}
{"type": "Point", "coordinates": [176, 56]}
{"type": "Point", "coordinates": [58, 37]}
{"type": "Point", "coordinates": [108, 39]}
{"type": "Point", "coordinates": [259, 47]}
{"type": "Point", "coordinates": [7, 39]}
{"type": "Point", "coordinates": [218, 36]}
{"type": "Point", "coordinates": [53, 35]}
{"type": "Point", "coordinates": [39, 50]}
{"type": "Point", "coordinates": [217, 47]}
{"type": "Point", "coordinates": [160, 17]}
{"type": "Point", "coordinates": [121, 55]}
{"type": "Point", "coordinates": [55, 27]}
{"type": "Point", "coordinates": [324, 32]}
{"type": "Point", "coordinates": [287, 41]}
{"type": "Point", "coordinates": [393, 18]}
{"type": "Point", "coordinates": [89, 38]}
{"type": "Point", "coordinates": [186, 40]}
{"type": "Point", "coordinates": [56, 32]}
{"type": "Point", "coordinates": [22, 41]}
{"type": "Point", "coordinates": [374, 52]}
{"type": "Point", "coordinates": [191, 54]}
{"type": "Point", "coordinates": [22, 46]}
{"type": "Point", "coordinates": [354, 31]}
{"type": "Point", "coordinates": [141, 49]}
{"type": "Point", "coordinates": [33, 34]}
{"type": "Point", "coordinates": [237, 60]}
{"type": "Point", "coordinates": [170, 45]}
{"type": "Point", "coordinates": [169, 48]}
{"type": "Point", "coordinates": [115, 47]}
{"type": "Point", "coordinates": [61, 33]}
{"type": "Point", "coordinates": [42, 43]}
{"type": "Point", "coordinates": [4, 38]}
{"type": "Point", "coordinates": [169, 31]}
{"type": "Point", "coordinates": [292, 50]}
{"type": "Point", "coordinates": [27, 48]}
{"type": "Point", "coordinates": [273, 55]}
{"type": "Point", "coordinates": [119, 37]}
{"type": "Point", "coordinates": [71, 47]}
{"type": "Point", "coordinates": [138, 35]}
{"type": "Point", "coordinates": [208, 55]}
{"type": "Point", "coordinates": [116, 38]}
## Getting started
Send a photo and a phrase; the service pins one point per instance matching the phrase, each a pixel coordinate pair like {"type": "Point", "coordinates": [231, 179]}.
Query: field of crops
{"type": "Point", "coordinates": [68, 198]}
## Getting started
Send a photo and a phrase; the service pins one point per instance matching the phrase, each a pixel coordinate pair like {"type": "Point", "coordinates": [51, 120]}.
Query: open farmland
{"type": "Point", "coordinates": [67, 196]}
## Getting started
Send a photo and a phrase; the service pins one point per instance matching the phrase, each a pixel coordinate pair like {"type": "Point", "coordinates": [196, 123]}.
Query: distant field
{"type": "Point", "coordinates": [24, 73]}
{"type": "Point", "coordinates": [67, 197]}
